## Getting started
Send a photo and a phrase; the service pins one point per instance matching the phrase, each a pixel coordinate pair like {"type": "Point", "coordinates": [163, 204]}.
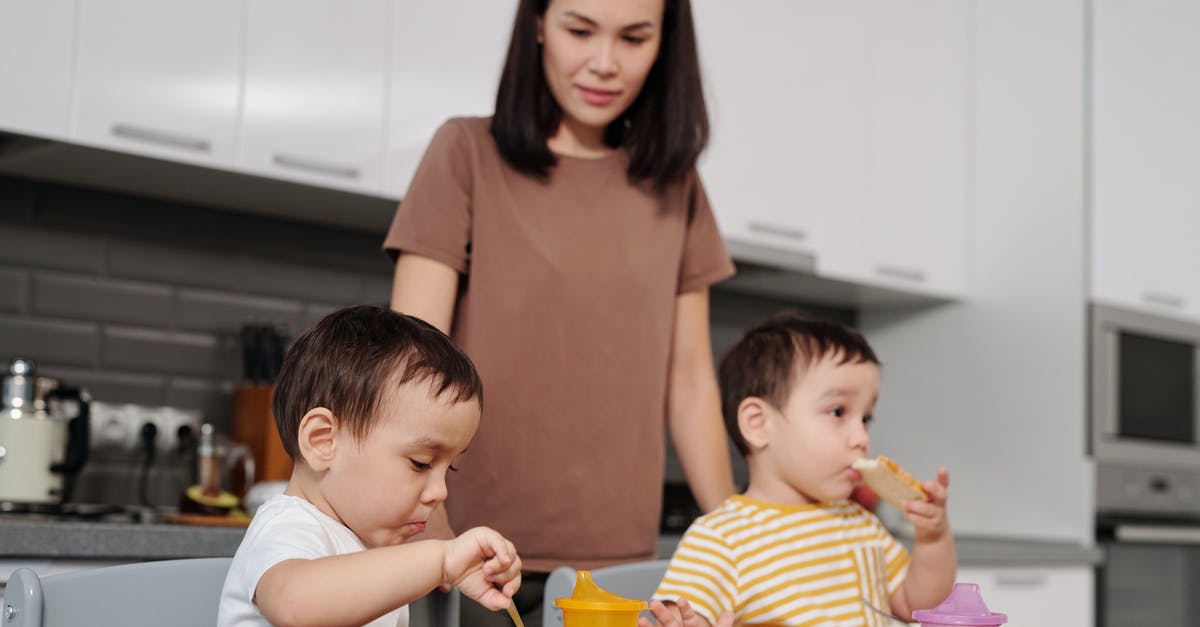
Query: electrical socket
{"type": "Point", "coordinates": [119, 426]}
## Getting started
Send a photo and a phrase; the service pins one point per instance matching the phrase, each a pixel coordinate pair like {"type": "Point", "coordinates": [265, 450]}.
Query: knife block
{"type": "Point", "coordinates": [254, 426]}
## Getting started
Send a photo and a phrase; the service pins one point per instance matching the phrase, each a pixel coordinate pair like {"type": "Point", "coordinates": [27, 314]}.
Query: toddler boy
{"type": "Point", "coordinates": [373, 407]}
{"type": "Point", "coordinates": [798, 396]}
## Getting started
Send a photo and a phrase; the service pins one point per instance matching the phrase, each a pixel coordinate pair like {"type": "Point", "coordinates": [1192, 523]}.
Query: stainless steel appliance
{"type": "Point", "coordinates": [43, 436]}
{"type": "Point", "coordinates": [1145, 441]}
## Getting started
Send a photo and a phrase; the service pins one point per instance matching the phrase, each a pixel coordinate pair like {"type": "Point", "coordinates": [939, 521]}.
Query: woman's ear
{"type": "Point", "coordinates": [753, 413]}
{"type": "Point", "coordinates": [541, 30]}
{"type": "Point", "coordinates": [316, 438]}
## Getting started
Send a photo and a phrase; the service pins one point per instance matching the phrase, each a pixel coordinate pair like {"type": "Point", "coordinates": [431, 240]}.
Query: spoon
{"type": "Point", "coordinates": [516, 618]}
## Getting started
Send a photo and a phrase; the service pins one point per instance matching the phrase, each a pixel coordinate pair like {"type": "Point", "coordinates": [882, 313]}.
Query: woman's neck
{"type": "Point", "coordinates": [573, 140]}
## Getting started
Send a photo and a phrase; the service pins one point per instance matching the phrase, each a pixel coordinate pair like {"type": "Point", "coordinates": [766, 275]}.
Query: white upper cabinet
{"type": "Point", "coordinates": [36, 41]}
{"type": "Point", "coordinates": [446, 62]}
{"type": "Point", "coordinates": [901, 222]}
{"type": "Point", "coordinates": [316, 91]}
{"type": "Point", "coordinates": [1145, 173]}
{"type": "Point", "coordinates": [159, 78]}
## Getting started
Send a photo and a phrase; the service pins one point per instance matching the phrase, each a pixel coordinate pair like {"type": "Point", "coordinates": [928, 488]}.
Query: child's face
{"type": "Point", "coordinates": [823, 429]}
{"type": "Point", "coordinates": [385, 487]}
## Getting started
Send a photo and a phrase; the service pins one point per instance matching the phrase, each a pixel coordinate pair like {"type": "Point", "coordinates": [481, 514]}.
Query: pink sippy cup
{"type": "Point", "coordinates": [964, 606]}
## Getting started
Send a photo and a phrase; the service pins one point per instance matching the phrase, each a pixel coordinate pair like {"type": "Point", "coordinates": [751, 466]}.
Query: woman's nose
{"type": "Point", "coordinates": [603, 60]}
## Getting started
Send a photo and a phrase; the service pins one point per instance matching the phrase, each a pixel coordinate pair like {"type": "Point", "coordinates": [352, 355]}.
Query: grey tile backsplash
{"type": "Point", "coordinates": [141, 300]}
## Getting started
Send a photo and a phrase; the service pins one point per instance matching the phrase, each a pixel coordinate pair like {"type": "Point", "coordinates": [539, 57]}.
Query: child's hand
{"type": "Point", "coordinates": [681, 614]}
{"type": "Point", "coordinates": [929, 517]}
{"type": "Point", "coordinates": [484, 566]}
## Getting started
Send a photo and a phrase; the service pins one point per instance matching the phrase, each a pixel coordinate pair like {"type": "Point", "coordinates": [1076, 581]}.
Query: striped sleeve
{"type": "Point", "coordinates": [703, 571]}
{"type": "Point", "coordinates": [895, 557]}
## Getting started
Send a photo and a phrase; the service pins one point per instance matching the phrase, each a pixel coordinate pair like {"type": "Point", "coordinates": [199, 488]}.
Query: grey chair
{"type": "Point", "coordinates": [636, 580]}
{"type": "Point", "coordinates": [181, 593]}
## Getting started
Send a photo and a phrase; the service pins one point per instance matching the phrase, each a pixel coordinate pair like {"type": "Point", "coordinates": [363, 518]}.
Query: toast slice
{"type": "Point", "coordinates": [890, 481]}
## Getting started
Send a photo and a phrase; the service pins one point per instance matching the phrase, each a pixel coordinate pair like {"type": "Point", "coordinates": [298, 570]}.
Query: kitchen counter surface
{"type": "Point", "coordinates": [114, 540]}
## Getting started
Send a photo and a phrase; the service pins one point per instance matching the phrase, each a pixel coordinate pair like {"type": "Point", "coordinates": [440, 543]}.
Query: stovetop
{"type": "Point", "coordinates": [79, 512]}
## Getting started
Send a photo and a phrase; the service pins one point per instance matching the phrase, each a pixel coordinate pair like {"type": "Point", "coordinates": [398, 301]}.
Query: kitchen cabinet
{"type": "Point", "coordinates": [840, 133]}
{"type": "Point", "coordinates": [1145, 175]}
{"type": "Point", "coordinates": [446, 62]}
{"type": "Point", "coordinates": [1046, 595]}
{"type": "Point", "coordinates": [316, 91]}
{"type": "Point", "coordinates": [36, 46]}
{"type": "Point", "coordinates": [160, 79]}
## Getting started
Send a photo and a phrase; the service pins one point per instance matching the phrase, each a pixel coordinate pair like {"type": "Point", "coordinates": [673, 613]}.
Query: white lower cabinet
{"type": "Point", "coordinates": [1062, 596]}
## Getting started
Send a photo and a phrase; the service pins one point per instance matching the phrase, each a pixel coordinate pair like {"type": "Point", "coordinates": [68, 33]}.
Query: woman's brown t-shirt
{"type": "Point", "coordinates": [566, 306]}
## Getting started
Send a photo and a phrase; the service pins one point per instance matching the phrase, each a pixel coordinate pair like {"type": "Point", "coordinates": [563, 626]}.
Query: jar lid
{"type": "Point", "coordinates": [964, 606]}
{"type": "Point", "coordinates": [592, 598]}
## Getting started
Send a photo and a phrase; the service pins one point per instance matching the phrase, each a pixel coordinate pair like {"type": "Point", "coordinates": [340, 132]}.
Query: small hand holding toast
{"type": "Point", "coordinates": [890, 481]}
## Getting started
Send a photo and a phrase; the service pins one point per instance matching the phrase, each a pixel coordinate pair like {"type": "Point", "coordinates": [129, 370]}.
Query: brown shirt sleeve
{"type": "Point", "coordinates": [705, 260]}
{"type": "Point", "coordinates": [434, 219]}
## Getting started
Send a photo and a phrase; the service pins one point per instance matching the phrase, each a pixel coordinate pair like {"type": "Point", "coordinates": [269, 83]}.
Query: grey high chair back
{"type": "Point", "coordinates": [180, 593]}
{"type": "Point", "coordinates": [636, 580]}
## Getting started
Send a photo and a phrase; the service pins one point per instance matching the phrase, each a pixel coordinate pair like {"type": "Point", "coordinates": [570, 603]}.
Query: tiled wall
{"type": "Point", "coordinates": [141, 300]}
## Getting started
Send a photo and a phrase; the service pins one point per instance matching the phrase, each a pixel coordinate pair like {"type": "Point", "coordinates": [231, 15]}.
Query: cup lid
{"type": "Point", "coordinates": [964, 606]}
{"type": "Point", "coordinates": [592, 598]}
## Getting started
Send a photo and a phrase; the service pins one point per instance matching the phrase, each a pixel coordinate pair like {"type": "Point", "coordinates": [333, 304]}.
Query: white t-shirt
{"type": "Point", "coordinates": [284, 528]}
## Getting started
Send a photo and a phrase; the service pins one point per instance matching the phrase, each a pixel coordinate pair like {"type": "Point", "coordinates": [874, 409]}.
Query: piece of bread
{"type": "Point", "coordinates": [890, 481]}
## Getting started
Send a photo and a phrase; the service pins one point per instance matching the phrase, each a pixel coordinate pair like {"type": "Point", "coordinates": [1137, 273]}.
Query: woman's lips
{"type": "Point", "coordinates": [597, 97]}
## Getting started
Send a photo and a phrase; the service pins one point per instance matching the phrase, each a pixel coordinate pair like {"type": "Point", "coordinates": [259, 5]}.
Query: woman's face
{"type": "Point", "coordinates": [596, 55]}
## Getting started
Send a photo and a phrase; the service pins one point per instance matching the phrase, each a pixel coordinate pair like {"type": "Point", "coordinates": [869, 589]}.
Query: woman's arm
{"type": "Point", "coordinates": [694, 405]}
{"type": "Point", "coordinates": [426, 289]}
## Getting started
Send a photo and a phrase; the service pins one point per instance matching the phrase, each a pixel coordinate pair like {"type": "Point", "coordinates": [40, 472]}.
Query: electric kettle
{"type": "Point", "coordinates": [44, 435]}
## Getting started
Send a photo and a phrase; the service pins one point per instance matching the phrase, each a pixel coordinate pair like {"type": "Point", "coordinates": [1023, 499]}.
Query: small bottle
{"type": "Point", "coordinates": [209, 470]}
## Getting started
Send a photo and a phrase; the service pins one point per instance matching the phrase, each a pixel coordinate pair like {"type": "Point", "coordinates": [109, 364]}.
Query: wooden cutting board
{"type": "Point", "coordinates": [204, 519]}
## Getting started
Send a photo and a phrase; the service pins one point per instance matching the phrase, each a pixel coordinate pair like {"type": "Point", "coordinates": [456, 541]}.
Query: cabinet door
{"type": "Point", "coordinates": [159, 78]}
{"type": "Point", "coordinates": [446, 62]}
{"type": "Point", "coordinates": [1060, 596]}
{"type": "Point", "coordinates": [36, 39]}
{"type": "Point", "coordinates": [316, 91]}
{"type": "Point", "coordinates": [766, 87]}
{"type": "Point", "coordinates": [1145, 174]}
{"type": "Point", "coordinates": [901, 222]}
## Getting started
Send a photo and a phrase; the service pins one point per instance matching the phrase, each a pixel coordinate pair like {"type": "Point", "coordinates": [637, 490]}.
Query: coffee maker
{"type": "Point", "coordinates": [44, 432]}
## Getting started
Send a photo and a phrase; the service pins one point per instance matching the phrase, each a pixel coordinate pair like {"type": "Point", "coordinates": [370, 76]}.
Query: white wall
{"type": "Point", "coordinates": [994, 387]}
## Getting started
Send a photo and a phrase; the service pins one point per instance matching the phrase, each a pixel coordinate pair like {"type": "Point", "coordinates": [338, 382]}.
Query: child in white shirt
{"type": "Point", "coordinates": [373, 407]}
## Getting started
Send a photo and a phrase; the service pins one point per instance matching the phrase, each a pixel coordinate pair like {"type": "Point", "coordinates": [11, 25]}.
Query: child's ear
{"type": "Point", "coordinates": [316, 437]}
{"type": "Point", "coordinates": [752, 422]}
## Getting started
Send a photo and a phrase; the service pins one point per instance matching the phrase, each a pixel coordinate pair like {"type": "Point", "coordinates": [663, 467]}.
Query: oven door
{"type": "Point", "coordinates": [1150, 574]}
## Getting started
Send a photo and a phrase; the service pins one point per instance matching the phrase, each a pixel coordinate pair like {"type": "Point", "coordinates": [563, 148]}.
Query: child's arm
{"type": "Point", "coordinates": [357, 588]}
{"type": "Point", "coordinates": [931, 571]}
{"type": "Point", "coordinates": [681, 614]}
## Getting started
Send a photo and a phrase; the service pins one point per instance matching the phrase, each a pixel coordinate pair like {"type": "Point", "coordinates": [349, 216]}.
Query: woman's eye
{"type": "Point", "coordinates": [420, 465]}
{"type": "Point", "coordinates": [578, 32]}
{"type": "Point", "coordinates": [634, 39]}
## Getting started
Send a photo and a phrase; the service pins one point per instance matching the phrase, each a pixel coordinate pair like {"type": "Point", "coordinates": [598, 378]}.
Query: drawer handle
{"type": "Point", "coordinates": [1164, 299]}
{"type": "Point", "coordinates": [163, 138]}
{"type": "Point", "coordinates": [897, 272]}
{"type": "Point", "coordinates": [1030, 580]}
{"type": "Point", "coordinates": [775, 229]}
{"type": "Point", "coordinates": [313, 165]}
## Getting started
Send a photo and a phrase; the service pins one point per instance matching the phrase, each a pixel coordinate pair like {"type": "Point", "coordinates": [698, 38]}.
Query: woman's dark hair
{"type": "Point", "coordinates": [663, 130]}
{"type": "Point", "coordinates": [762, 363]}
{"type": "Point", "coordinates": [347, 359]}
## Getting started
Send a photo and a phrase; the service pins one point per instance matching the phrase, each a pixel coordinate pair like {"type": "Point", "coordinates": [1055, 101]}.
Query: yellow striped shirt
{"type": "Point", "coordinates": [787, 565]}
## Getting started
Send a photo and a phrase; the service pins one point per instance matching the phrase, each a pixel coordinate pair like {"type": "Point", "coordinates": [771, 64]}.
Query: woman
{"type": "Point", "coordinates": [568, 246]}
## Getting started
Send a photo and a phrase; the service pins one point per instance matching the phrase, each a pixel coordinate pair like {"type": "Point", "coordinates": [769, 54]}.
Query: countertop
{"type": "Point", "coordinates": [46, 539]}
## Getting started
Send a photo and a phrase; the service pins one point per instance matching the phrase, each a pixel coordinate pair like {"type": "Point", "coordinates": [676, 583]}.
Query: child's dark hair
{"type": "Point", "coordinates": [664, 129]}
{"type": "Point", "coordinates": [762, 363]}
{"type": "Point", "coordinates": [346, 360]}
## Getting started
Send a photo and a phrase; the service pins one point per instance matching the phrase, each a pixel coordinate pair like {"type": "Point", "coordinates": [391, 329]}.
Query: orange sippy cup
{"type": "Point", "coordinates": [592, 606]}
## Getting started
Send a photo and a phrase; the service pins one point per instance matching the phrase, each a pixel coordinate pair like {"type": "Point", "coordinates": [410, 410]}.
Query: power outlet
{"type": "Point", "coordinates": [119, 426]}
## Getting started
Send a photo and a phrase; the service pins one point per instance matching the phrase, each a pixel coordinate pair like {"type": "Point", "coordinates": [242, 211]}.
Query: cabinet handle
{"type": "Point", "coordinates": [1164, 299]}
{"type": "Point", "coordinates": [775, 229]}
{"type": "Point", "coordinates": [1024, 580]}
{"type": "Point", "coordinates": [165, 138]}
{"type": "Point", "coordinates": [896, 272]}
{"type": "Point", "coordinates": [1157, 534]}
{"type": "Point", "coordinates": [313, 165]}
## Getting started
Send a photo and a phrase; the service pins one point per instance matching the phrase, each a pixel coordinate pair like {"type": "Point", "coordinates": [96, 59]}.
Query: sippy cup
{"type": "Point", "coordinates": [592, 606]}
{"type": "Point", "coordinates": [964, 606]}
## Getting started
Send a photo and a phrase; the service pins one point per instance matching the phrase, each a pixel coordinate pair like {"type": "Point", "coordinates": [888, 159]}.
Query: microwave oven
{"type": "Point", "coordinates": [1145, 413]}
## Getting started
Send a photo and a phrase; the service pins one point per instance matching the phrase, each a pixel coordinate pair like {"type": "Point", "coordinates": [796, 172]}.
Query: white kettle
{"type": "Point", "coordinates": [42, 446]}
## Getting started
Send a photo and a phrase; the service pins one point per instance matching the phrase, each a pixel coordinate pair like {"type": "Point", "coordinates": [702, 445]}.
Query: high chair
{"type": "Point", "coordinates": [636, 580]}
{"type": "Point", "coordinates": [181, 593]}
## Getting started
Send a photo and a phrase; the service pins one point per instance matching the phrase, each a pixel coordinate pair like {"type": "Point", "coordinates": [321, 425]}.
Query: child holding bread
{"type": "Point", "coordinates": [797, 396]}
{"type": "Point", "coordinates": [373, 407]}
